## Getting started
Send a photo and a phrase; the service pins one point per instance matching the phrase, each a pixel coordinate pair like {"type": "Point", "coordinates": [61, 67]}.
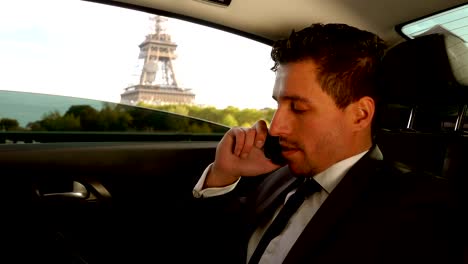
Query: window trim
{"type": "Point", "coordinates": [186, 18]}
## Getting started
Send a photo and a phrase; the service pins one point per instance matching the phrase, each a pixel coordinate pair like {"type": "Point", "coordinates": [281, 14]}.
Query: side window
{"type": "Point", "coordinates": [67, 63]}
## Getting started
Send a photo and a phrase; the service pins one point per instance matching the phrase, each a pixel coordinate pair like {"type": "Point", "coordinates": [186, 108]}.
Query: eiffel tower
{"type": "Point", "coordinates": [158, 84]}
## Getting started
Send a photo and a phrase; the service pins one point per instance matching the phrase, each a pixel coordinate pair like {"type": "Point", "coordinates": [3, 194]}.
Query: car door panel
{"type": "Point", "coordinates": [104, 202]}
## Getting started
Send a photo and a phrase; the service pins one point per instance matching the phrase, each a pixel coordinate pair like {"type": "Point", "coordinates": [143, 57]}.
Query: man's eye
{"type": "Point", "coordinates": [296, 108]}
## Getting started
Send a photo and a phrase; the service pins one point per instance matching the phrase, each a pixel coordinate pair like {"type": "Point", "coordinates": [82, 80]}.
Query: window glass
{"type": "Point", "coordinates": [454, 20]}
{"type": "Point", "coordinates": [89, 51]}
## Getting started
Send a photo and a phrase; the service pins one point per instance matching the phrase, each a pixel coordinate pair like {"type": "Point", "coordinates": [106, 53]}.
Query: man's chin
{"type": "Point", "coordinates": [298, 170]}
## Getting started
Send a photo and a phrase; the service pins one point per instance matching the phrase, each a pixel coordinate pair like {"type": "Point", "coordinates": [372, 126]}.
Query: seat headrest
{"type": "Point", "coordinates": [425, 70]}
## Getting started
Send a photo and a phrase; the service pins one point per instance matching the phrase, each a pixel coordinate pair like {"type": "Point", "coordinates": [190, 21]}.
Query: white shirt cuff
{"type": "Point", "coordinates": [198, 192]}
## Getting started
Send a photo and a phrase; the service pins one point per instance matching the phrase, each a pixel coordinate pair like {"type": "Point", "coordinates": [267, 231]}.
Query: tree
{"type": "Point", "coordinates": [88, 116]}
{"type": "Point", "coordinates": [230, 116]}
{"type": "Point", "coordinates": [229, 120]}
{"type": "Point", "coordinates": [8, 124]}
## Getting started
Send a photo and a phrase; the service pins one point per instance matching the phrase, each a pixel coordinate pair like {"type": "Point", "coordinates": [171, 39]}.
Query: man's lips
{"type": "Point", "coordinates": [288, 150]}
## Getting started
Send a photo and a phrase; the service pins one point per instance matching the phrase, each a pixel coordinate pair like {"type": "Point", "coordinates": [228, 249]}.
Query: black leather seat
{"type": "Point", "coordinates": [422, 116]}
{"type": "Point", "coordinates": [423, 105]}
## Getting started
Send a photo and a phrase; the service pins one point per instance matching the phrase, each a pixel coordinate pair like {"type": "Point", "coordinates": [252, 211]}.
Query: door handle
{"type": "Point", "coordinates": [79, 191]}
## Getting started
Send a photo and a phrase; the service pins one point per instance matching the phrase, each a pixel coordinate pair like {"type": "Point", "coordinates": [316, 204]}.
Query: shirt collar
{"type": "Point", "coordinates": [330, 177]}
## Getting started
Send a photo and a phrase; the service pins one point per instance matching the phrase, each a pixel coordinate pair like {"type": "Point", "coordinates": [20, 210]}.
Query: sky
{"type": "Point", "coordinates": [89, 50]}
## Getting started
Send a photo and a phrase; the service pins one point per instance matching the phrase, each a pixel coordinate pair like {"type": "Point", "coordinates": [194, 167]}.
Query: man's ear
{"type": "Point", "coordinates": [362, 112]}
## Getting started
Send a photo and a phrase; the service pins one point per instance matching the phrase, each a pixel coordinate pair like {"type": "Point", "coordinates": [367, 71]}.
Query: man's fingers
{"type": "Point", "coordinates": [249, 141]}
{"type": "Point", "coordinates": [239, 140]}
{"type": "Point", "coordinates": [261, 133]}
{"type": "Point", "coordinates": [246, 138]}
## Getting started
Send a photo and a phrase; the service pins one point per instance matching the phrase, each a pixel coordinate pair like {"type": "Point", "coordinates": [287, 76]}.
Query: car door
{"type": "Point", "coordinates": [109, 142]}
{"type": "Point", "coordinates": [104, 195]}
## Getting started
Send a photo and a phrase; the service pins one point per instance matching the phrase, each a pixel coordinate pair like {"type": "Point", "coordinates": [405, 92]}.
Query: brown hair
{"type": "Point", "coordinates": [347, 58]}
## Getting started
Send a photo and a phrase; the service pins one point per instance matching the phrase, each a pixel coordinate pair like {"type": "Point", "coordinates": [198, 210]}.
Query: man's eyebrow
{"type": "Point", "coordinates": [292, 98]}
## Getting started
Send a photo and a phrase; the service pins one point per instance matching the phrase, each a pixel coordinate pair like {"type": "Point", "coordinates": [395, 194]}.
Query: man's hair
{"type": "Point", "coordinates": [347, 59]}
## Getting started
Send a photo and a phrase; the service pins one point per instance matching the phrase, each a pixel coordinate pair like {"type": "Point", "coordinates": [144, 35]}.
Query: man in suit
{"type": "Point", "coordinates": [363, 209]}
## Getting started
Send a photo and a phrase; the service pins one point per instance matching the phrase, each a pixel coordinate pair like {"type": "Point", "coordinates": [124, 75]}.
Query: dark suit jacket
{"type": "Point", "coordinates": [378, 213]}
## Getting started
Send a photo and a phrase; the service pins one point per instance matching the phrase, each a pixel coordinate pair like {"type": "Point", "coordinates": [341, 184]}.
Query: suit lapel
{"type": "Point", "coordinates": [335, 207]}
{"type": "Point", "coordinates": [270, 194]}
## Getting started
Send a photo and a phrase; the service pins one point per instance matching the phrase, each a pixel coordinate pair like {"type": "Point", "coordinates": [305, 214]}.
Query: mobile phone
{"type": "Point", "coordinates": [272, 150]}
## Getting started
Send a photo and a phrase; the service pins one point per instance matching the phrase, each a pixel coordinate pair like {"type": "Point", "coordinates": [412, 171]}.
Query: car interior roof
{"type": "Point", "coordinates": [271, 19]}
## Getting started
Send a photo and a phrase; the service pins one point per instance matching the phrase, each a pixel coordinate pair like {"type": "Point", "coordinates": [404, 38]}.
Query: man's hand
{"type": "Point", "coordinates": [240, 153]}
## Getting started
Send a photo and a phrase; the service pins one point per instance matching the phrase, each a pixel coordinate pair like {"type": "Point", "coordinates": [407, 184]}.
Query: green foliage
{"type": "Point", "coordinates": [53, 121]}
{"type": "Point", "coordinates": [8, 124]}
{"type": "Point", "coordinates": [116, 117]}
{"type": "Point", "coordinates": [88, 116]}
{"type": "Point", "coordinates": [230, 116]}
{"type": "Point", "coordinates": [229, 120]}
{"type": "Point", "coordinates": [165, 118]}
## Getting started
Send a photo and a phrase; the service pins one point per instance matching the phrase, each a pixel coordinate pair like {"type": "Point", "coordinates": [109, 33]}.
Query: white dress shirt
{"type": "Point", "coordinates": [279, 247]}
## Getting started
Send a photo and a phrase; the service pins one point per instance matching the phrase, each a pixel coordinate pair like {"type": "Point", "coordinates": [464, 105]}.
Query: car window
{"type": "Point", "coordinates": [39, 118]}
{"type": "Point", "coordinates": [62, 59]}
{"type": "Point", "coordinates": [454, 20]}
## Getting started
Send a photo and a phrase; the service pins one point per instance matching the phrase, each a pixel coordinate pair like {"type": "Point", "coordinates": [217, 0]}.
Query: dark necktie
{"type": "Point", "coordinates": [306, 187]}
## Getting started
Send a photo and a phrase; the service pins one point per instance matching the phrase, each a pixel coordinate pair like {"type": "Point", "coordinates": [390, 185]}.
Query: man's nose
{"type": "Point", "coordinates": [279, 124]}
